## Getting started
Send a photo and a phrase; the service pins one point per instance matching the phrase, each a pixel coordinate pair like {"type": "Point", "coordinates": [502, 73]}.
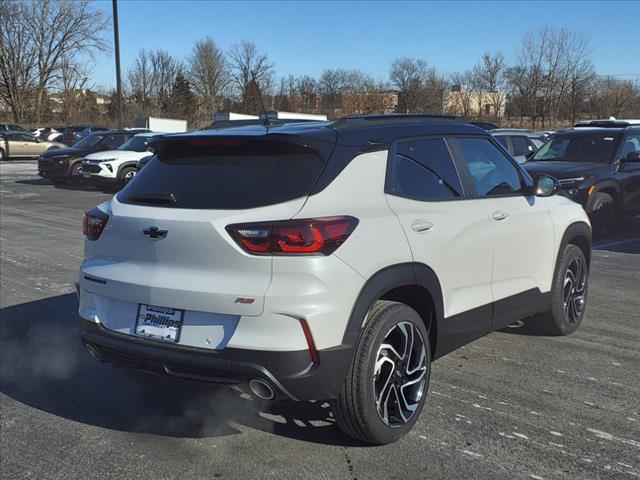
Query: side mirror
{"type": "Point", "coordinates": [631, 157]}
{"type": "Point", "coordinates": [545, 186]}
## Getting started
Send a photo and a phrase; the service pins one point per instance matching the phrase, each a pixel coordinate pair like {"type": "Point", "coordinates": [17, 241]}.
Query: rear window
{"type": "Point", "coordinates": [225, 173]}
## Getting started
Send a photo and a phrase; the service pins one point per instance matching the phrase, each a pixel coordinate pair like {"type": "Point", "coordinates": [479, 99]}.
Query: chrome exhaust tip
{"type": "Point", "coordinates": [261, 389]}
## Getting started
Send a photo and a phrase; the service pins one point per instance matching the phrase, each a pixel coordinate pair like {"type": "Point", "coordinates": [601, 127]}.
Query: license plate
{"type": "Point", "coordinates": [159, 323]}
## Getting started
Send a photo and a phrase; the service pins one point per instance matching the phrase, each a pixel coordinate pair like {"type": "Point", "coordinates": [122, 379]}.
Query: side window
{"type": "Point", "coordinates": [521, 145]}
{"type": "Point", "coordinates": [630, 145]}
{"type": "Point", "coordinates": [491, 172]}
{"type": "Point", "coordinates": [423, 169]}
{"type": "Point", "coordinates": [27, 138]}
{"type": "Point", "coordinates": [503, 140]}
{"type": "Point", "coordinates": [113, 141]}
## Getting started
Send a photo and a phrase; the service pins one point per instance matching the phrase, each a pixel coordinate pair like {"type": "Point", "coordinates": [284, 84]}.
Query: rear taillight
{"type": "Point", "coordinates": [93, 223]}
{"type": "Point", "coordinates": [311, 236]}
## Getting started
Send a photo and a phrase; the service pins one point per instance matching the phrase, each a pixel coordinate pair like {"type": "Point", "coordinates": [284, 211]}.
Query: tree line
{"type": "Point", "coordinates": [551, 81]}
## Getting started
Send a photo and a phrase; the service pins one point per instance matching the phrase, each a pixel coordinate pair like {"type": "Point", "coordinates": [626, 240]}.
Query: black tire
{"type": "Point", "coordinates": [355, 408]}
{"type": "Point", "coordinates": [560, 320]}
{"type": "Point", "coordinates": [2, 155]}
{"type": "Point", "coordinates": [127, 174]}
{"type": "Point", "coordinates": [602, 214]}
{"type": "Point", "coordinates": [75, 174]}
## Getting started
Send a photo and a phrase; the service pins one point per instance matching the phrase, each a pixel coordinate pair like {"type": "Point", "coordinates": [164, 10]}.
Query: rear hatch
{"type": "Point", "coordinates": [185, 197]}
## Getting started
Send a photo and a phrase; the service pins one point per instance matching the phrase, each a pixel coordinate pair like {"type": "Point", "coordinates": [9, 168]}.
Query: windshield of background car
{"type": "Point", "coordinates": [136, 144]}
{"type": "Point", "coordinates": [580, 147]}
{"type": "Point", "coordinates": [88, 141]}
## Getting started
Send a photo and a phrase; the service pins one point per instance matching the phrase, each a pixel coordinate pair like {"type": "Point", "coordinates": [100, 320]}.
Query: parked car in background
{"type": "Point", "coordinates": [73, 134]}
{"type": "Point", "coordinates": [143, 161]}
{"type": "Point", "coordinates": [66, 163]}
{"type": "Point", "coordinates": [298, 263]}
{"type": "Point", "coordinates": [10, 127]}
{"type": "Point", "coordinates": [118, 167]}
{"type": "Point", "coordinates": [611, 122]}
{"type": "Point", "coordinates": [47, 133]}
{"type": "Point", "coordinates": [598, 167]}
{"type": "Point", "coordinates": [24, 145]}
{"type": "Point", "coordinates": [520, 143]}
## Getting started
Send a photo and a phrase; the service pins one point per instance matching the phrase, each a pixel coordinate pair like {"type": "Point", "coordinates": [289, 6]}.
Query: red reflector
{"type": "Point", "coordinates": [245, 300]}
{"type": "Point", "coordinates": [93, 223]}
{"type": "Point", "coordinates": [313, 351]}
{"type": "Point", "coordinates": [313, 236]}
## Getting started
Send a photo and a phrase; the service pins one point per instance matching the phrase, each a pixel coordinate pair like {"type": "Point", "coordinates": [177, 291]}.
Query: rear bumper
{"type": "Point", "coordinates": [291, 373]}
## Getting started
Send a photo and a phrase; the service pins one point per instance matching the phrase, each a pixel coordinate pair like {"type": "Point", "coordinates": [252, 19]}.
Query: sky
{"type": "Point", "coordinates": [305, 37]}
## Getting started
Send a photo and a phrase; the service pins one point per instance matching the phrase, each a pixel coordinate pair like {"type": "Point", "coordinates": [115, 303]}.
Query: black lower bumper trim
{"type": "Point", "coordinates": [292, 374]}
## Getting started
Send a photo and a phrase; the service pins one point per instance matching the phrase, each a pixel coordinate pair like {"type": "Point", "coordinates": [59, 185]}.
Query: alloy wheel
{"type": "Point", "coordinates": [574, 290]}
{"type": "Point", "coordinates": [400, 374]}
{"type": "Point", "coordinates": [129, 175]}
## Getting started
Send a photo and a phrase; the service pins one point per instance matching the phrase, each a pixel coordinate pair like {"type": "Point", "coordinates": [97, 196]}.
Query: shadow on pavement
{"type": "Point", "coordinates": [44, 365]}
{"type": "Point", "coordinates": [67, 185]}
{"type": "Point", "coordinates": [624, 238]}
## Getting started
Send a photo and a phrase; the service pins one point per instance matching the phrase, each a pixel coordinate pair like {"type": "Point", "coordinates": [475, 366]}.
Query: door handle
{"type": "Point", "coordinates": [499, 215]}
{"type": "Point", "coordinates": [421, 225]}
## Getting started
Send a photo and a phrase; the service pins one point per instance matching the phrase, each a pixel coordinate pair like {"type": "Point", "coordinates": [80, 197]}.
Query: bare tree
{"type": "Point", "coordinates": [612, 97]}
{"type": "Point", "coordinates": [60, 29]}
{"type": "Point", "coordinates": [306, 90]}
{"type": "Point", "coordinates": [331, 85]}
{"type": "Point", "coordinates": [490, 78]}
{"type": "Point", "coordinates": [245, 62]}
{"type": "Point", "coordinates": [73, 80]}
{"type": "Point", "coordinates": [141, 83]}
{"type": "Point", "coordinates": [407, 75]}
{"type": "Point", "coordinates": [460, 96]}
{"type": "Point", "coordinates": [151, 80]}
{"type": "Point", "coordinates": [208, 74]}
{"type": "Point", "coordinates": [18, 61]}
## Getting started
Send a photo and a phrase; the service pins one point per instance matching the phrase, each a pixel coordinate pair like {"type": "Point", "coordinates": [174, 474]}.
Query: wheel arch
{"type": "Point", "coordinates": [578, 234]}
{"type": "Point", "coordinates": [414, 284]}
{"type": "Point", "coordinates": [125, 165]}
{"type": "Point", "coordinates": [609, 187]}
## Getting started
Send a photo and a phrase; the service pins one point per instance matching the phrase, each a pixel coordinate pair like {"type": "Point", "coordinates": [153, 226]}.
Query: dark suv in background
{"type": "Point", "coordinates": [66, 163]}
{"type": "Point", "coordinates": [597, 166]}
{"type": "Point", "coordinates": [72, 135]}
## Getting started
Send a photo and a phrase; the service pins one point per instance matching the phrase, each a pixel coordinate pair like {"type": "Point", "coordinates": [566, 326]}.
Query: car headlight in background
{"type": "Point", "coordinates": [571, 185]}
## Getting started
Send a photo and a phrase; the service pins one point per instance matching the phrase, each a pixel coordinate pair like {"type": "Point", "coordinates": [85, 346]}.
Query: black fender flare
{"type": "Point", "coordinates": [73, 161]}
{"type": "Point", "coordinates": [602, 185]}
{"type": "Point", "coordinates": [125, 165]}
{"type": "Point", "coordinates": [385, 280]}
{"type": "Point", "coordinates": [580, 231]}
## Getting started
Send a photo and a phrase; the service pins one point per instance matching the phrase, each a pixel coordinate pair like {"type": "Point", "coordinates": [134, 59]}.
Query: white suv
{"type": "Point", "coordinates": [328, 260]}
{"type": "Point", "coordinates": [117, 166]}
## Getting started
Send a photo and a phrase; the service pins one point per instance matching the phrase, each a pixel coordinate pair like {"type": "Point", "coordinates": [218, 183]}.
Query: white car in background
{"type": "Point", "coordinates": [117, 167]}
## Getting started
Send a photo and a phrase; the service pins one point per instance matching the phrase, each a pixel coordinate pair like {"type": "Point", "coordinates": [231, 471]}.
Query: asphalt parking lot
{"type": "Point", "coordinates": [512, 405]}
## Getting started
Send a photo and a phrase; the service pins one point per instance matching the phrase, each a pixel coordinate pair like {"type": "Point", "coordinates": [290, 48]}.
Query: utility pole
{"type": "Point", "coordinates": [116, 41]}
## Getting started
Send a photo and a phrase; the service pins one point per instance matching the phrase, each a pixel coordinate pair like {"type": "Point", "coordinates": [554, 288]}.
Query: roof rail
{"type": "Point", "coordinates": [401, 116]}
{"type": "Point", "coordinates": [411, 118]}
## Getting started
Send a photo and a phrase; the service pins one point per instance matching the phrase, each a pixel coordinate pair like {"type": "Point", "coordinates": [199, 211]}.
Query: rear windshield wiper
{"type": "Point", "coordinates": [154, 198]}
